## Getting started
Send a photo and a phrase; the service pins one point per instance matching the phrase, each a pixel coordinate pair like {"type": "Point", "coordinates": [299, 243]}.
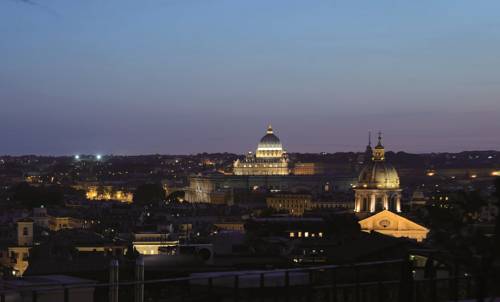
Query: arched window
{"type": "Point", "coordinates": [392, 203]}
{"type": "Point", "coordinates": [379, 204]}
{"type": "Point", "coordinates": [365, 204]}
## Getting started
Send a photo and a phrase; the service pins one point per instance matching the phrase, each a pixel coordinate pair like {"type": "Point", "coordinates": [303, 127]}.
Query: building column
{"type": "Point", "coordinates": [357, 202]}
{"type": "Point", "coordinates": [386, 202]}
{"type": "Point", "coordinates": [398, 203]}
{"type": "Point", "coordinates": [373, 200]}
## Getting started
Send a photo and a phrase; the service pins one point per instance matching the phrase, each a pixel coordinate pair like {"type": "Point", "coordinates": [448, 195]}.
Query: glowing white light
{"type": "Point", "coordinates": [98, 156]}
{"type": "Point", "coordinates": [77, 157]}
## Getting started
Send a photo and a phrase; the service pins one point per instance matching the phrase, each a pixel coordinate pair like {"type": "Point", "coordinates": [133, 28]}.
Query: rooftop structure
{"type": "Point", "coordinates": [269, 159]}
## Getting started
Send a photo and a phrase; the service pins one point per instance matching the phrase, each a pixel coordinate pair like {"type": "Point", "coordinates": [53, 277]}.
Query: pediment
{"type": "Point", "coordinates": [387, 220]}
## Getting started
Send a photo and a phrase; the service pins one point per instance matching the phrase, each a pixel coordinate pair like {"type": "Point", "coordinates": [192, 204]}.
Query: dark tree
{"type": "Point", "coordinates": [455, 232]}
{"type": "Point", "coordinates": [148, 194]}
{"type": "Point", "coordinates": [31, 196]}
{"type": "Point", "coordinates": [342, 226]}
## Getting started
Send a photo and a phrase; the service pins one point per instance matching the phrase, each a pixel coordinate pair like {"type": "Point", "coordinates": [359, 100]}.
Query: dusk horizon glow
{"type": "Point", "coordinates": [185, 77]}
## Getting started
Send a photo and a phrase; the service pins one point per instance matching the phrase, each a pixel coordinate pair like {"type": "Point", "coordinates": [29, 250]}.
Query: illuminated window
{"type": "Point", "coordinates": [300, 234]}
{"type": "Point", "coordinates": [320, 234]}
{"type": "Point", "coordinates": [306, 234]}
{"type": "Point", "coordinates": [292, 234]}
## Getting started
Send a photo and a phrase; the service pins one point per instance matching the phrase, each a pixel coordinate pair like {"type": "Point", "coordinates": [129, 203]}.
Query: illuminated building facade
{"type": "Point", "coordinates": [269, 159]}
{"type": "Point", "coordinates": [392, 224]}
{"type": "Point", "coordinates": [378, 193]}
{"type": "Point", "coordinates": [269, 168]}
{"type": "Point", "coordinates": [62, 223]}
{"type": "Point", "coordinates": [295, 204]}
{"type": "Point", "coordinates": [378, 185]}
{"type": "Point", "coordinates": [308, 168]}
{"type": "Point", "coordinates": [108, 193]}
{"type": "Point", "coordinates": [225, 189]}
{"type": "Point", "coordinates": [15, 256]}
{"type": "Point", "coordinates": [150, 243]}
{"type": "Point", "coordinates": [55, 223]}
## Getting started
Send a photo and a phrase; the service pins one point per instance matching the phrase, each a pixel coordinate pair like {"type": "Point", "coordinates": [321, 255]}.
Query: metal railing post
{"type": "Point", "coordinates": [236, 287]}
{"type": "Point", "coordinates": [66, 294]}
{"type": "Point", "coordinates": [139, 277]}
{"type": "Point", "coordinates": [481, 282]}
{"type": "Point", "coordinates": [311, 286]}
{"type": "Point", "coordinates": [453, 285]}
{"type": "Point", "coordinates": [433, 288]}
{"type": "Point", "coordinates": [402, 282]}
{"type": "Point", "coordinates": [357, 287]}
{"type": "Point", "coordinates": [262, 285]}
{"type": "Point", "coordinates": [113, 280]}
{"type": "Point", "coordinates": [380, 289]}
{"type": "Point", "coordinates": [467, 287]}
{"type": "Point", "coordinates": [287, 286]}
{"type": "Point", "coordinates": [417, 291]}
{"type": "Point", "coordinates": [210, 286]}
{"type": "Point", "coordinates": [334, 285]}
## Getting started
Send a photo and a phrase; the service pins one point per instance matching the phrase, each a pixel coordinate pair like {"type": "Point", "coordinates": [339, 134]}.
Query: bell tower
{"type": "Point", "coordinates": [379, 151]}
{"type": "Point", "coordinates": [378, 184]}
{"type": "Point", "coordinates": [25, 232]}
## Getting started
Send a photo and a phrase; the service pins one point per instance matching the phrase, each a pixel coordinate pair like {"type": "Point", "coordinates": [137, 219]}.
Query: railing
{"type": "Point", "coordinates": [385, 281]}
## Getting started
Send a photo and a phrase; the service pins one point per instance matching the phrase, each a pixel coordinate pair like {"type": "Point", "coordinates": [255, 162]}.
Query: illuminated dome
{"type": "Point", "coordinates": [269, 159]}
{"type": "Point", "coordinates": [379, 175]}
{"type": "Point", "coordinates": [270, 142]}
{"type": "Point", "coordinates": [378, 184]}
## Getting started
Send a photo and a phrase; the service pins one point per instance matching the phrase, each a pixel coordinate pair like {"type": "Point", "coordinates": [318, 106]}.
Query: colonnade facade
{"type": "Point", "coordinates": [375, 200]}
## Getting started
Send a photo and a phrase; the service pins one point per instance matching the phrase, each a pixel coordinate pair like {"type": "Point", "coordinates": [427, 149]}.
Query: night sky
{"type": "Point", "coordinates": [188, 76]}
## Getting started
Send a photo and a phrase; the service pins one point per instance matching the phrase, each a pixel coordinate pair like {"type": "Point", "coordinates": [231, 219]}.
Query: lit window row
{"type": "Point", "coordinates": [305, 234]}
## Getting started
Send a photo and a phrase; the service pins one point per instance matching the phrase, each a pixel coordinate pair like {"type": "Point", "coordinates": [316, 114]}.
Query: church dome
{"type": "Point", "coordinates": [270, 141]}
{"type": "Point", "coordinates": [379, 175]}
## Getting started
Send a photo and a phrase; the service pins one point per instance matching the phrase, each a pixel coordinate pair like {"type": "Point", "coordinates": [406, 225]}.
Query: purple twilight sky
{"type": "Point", "coordinates": [187, 76]}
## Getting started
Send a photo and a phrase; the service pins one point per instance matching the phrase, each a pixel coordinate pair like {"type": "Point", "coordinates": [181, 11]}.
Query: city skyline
{"type": "Point", "coordinates": [225, 150]}
{"type": "Point", "coordinates": [183, 77]}
{"type": "Point", "coordinates": [370, 138]}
